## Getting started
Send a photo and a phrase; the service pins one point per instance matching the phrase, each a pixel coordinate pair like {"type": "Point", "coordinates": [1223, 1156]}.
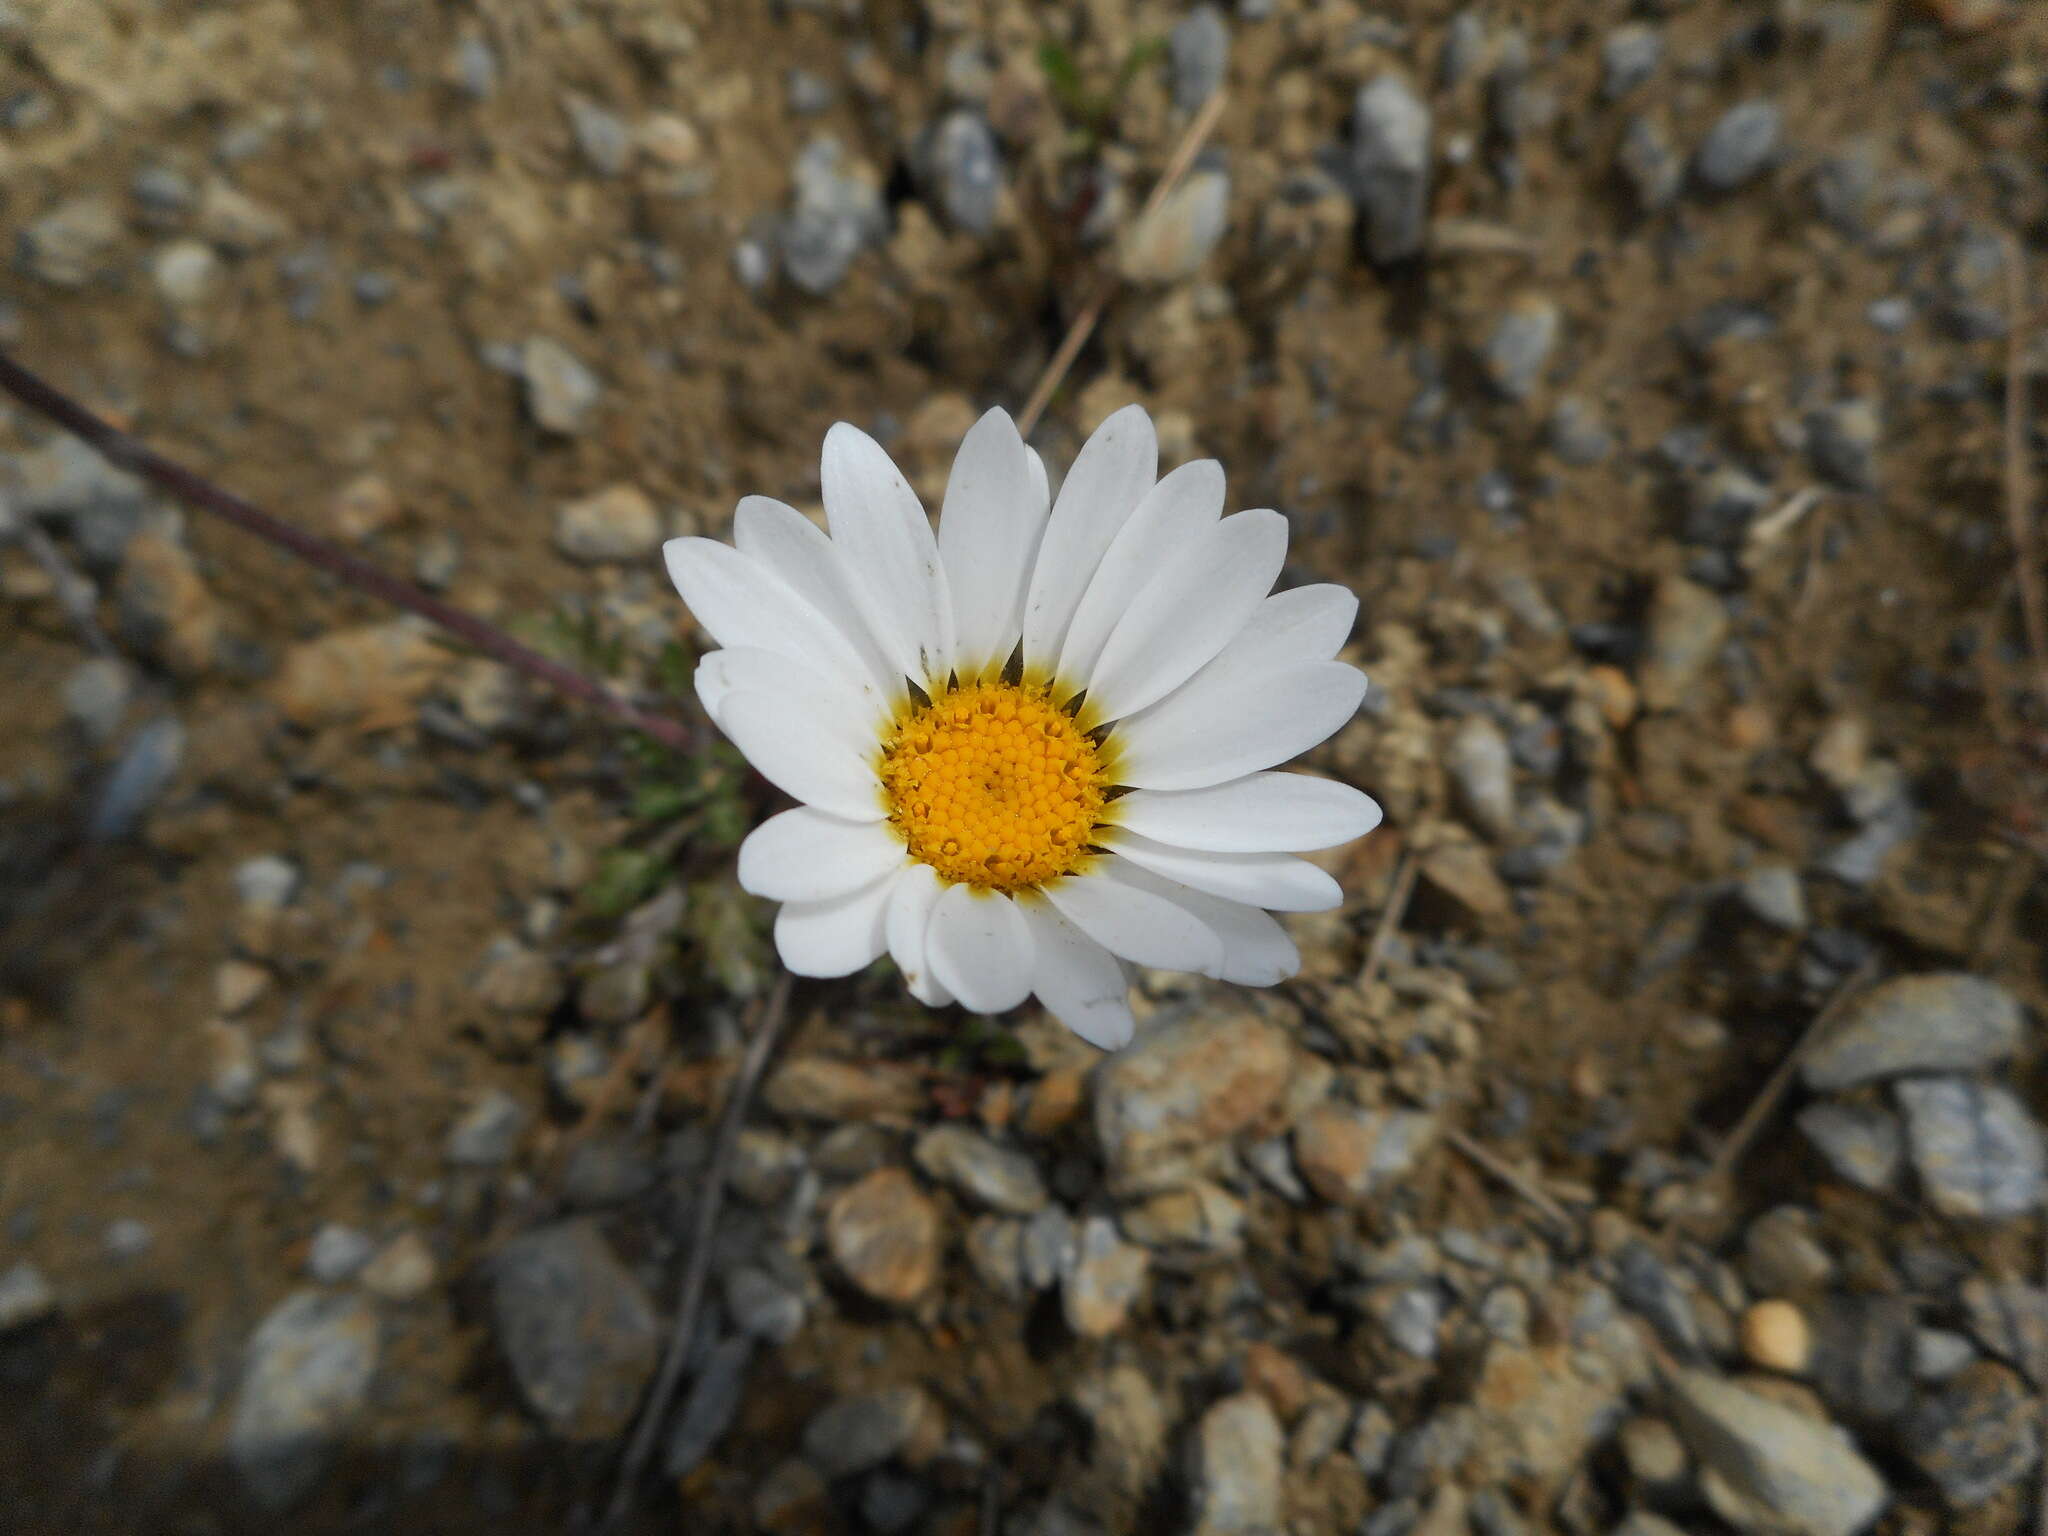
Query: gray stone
{"type": "Point", "coordinates": [488, 1133]}
{"type": "Point", "coordinates": [70, 245]}
{"type": "Point", "coordinates": [1198, 56]}
{"type": "Point", "coordinates": [1043, 1249]}
{"type": "Point", "coordinates": [1520, 344]}
{"type": "Point", "coordinates": [561, 393]}
{"type": "Point", "coordinates": [1650, 164]}
{"type": "Point", "coordinates": [835, 217]}
{"type": "Point", "coordinates": [1000, 1178]}
{"type": "Point", "coordinates": [1861, 1355]}
{"type": "Point", "coordinates": [763, 1306]}
{"type": "Point", "coordinates": [860, 1432]}
{"type": "Point", "coordinates": [995, 1247]}
{"type": "Point", "coordinates": [1942, 1021]}
{"type": "Point", "coordinates": [1768, 1460]}
{"type": "Point", "coordinates": [1411, 1318]}
{"type": "Point", "coordinates": [967, 171]}
{"type": "Point", "coordinates": [1939, 1353]}
{"type": "Point", "coordinates": [337, 1253]}
{"type": "Point", "coordinates": [1863, 1145]}
{"type": "Point", "coordinates": [1780, 1254]}
{"type": "Point", "coordinates": [1686, 625]}
{"type": "Point", "coordinates": [1235, 1470]}
{"type": "Point", "coordinates": [1577, 435]}
{"type": "Point", "coordinates": [809, 94]}
{"type": "Point", "coordinates": [1372, 1437]}
{"type": "Point", "coordinates": [25, 1296]}
{"type": "Point", "coordinates": [1721, 505]}
{"type": "Point", "coordinates": [576, 1328]}
{"type": "Point", "coordinates": [1842, 439]}
{"type": "Point", "coordinates": [1482, 769]}
{"type": "Point", "coordinates": [127, 1237]}
{"type": "Point", "coordinates": [2010, 1319]}
{"type": "Point", "coordinates": [1977, 1150]}
{"type": "Point", "coordinates": [1977, 1436]}
{"type": "Point", "coordinates": [1740, 146]}
{"type": "Point", "coordinates": [96, 695]}
{"type": "Point", "coordinates": [710, 1407]}
{"type": "Point", "coordinates": [306, 1375]}
{"type": "Point", "coordinates": [267, 882]}
{"type": "Point", "coordinates": [186, 273]}
{"type": "Point", "coordinates": [617, 525]}
{"type": "Point", "coordinates": [1629, 56]}
{"type": "Point", "coordinates": [140, 775]}
{"type": "Point", "coordinates": [892, 1502]}
{"type": "Point", "coordinates": [1102, 1277]}
{"type": "Point", "coordinates": [1649, 1289]}
{"type": "Point", "coordinates": [474, 68]}
{"type": "Point", "coordinates": [602, 136]}
{"type": "Point", "coordinates": [1390, 130]}
{"type": "Point", "coordinates": [1771, 893]}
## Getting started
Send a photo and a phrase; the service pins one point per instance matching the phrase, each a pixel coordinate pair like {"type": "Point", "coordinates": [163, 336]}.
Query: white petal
{"type": "Point", "coordinates": [1257, 951]}
{"type": "Point", "coordinates": [1224, 725]}
{"type": "Point", "coordinates": [836, 937]}
{"type": "Point", "coordinates": [1201, 598]}
{"type": "Point", "coordinates": [749, 669]}
{"type": "Point", "coordinates": [1261, 813]}
{"type": "Point", "coordinates": [740, 602]}
{"type": "Point", "coordinates": [801, 553]}
{"type": "Point", "coordinates": [808, 755]}
{"type": "Point", "coordinates": [909, 924]}
{"type": "Point", "coordinates": [989, 528]}
{"type": "Point", "coordinates": [980, 949]}
{"type": "Point", "coordinates": [1039, 478]}
{"type": "Point", "coordinates": [1081, 983]}
{"type": "Point", "coordinates": [1133, 924]}
{"type": "Point", "coordinates": [1184, 502]}
{"type": "Point", "coordinates": [1306, 624]}
{"type": "Point", "coordinates": [1277, 881]}
{"type": "Point", "coordinates": [1111, 474]}
{"type": "Point", "coordinates": [892, 557]}
{"type": "Point", "coordinates": [805, 855]}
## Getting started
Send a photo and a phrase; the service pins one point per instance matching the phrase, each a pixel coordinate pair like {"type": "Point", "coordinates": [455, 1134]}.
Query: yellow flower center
{"type": "Point", "coordinates": [994, 785]}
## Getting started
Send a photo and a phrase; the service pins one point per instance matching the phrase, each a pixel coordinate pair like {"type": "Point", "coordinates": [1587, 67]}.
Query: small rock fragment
{"type": "Point", "coordinates": [1977, 1436]}
{"type": "Point", "coordinates": [617, 525]}
{"type": "Point", "coordinates": [711, 1406]}
{"type": "Point", "coordinates": [1977, 1150]}
{"type": "Point", "coordinates": [1235, 1468]}
{"type": "Point", "coordinates": [561, 393]}
{"type": "Point", "coordinates": [1482, 769]}
{"type": "Point", "coordinates": [1740, 145]}
{"type": "Point", "coordinates": [1943, 1021]}
{"type": "Point", "coordinates": [69, 246]}
{"type": "Point", "coordinates": [1863, 1145]}
{"type": "Point", "coordinates": [576, 1328]}
{"type": "Point", "coordinates": [1772, 1462]}
{"type": "Point", "coordinates": [999, 1178]}
{"type": "Point", "coordinates": [403, 1270]}
{"type": "Point", "coordinates": [1347, 1153]}
{"type": "Point", "coordinates": [1171, 242]}
{"type": "Point", "coordinates": [885, 1235]}
{"type": "Point", "coordinates": [305, 1377]}
{"type": "Point", "coordinates": [488, 1133]}
{"type": "Point", "coordinates": [1197, 56]}
{"type": "Point", "coordinates": [602, 137]}
{"type": "Point", "coordinates": [1521, 343]}
{"type": "Point", "coordinates": [1390, 128]}
{"type": "Point", "coordinates": [165, 607]}
{"type": "Point", "coordinates": [25, 1296]}
{"type": "Point", "coordinates": [1686, 626]}
{"type": "Point", "coordinates": [1775, 1336]}
{"type": "Point", "coordinates": [1165, 1104]}
{"type": "Point", "coordinates": [1102, 1278]}
{"type": "Point", "coordinates": [863, 1431]}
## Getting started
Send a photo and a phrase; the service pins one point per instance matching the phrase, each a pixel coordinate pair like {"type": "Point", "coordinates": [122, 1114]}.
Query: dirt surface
{"type": "Point", "coordinates": [419, 277]}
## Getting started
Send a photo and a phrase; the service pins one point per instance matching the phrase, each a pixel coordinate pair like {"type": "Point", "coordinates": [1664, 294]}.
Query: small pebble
{"type": "Point", "coordinates": [1740, 145]}
{"type": "Point", "coordinates": [1775, 1335]}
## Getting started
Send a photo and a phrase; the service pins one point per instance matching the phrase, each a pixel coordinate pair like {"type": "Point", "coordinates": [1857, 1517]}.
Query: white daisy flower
{"type": "Point", "coordinates": [1031, 748]}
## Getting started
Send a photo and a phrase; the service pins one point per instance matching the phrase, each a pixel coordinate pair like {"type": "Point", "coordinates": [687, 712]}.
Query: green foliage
{"type": "Point", "coordinates": [1088, 112]}
{"type": "Point", "coordinates": [705, 786]}
{"type": "Point", "coordinates": [982, 1046]}
{"type": "Point", "coordinates": [625, 877]}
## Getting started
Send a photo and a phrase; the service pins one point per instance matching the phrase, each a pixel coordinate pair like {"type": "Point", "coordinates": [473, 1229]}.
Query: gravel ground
{"type": "Point", "coordinates": [365, 1013]}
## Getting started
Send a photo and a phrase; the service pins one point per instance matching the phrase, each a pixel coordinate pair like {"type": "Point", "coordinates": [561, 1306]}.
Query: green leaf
{"type": "Point", "coordinates": [625, 877]}
{"type": "Point", "coordinates": [1063, 78]}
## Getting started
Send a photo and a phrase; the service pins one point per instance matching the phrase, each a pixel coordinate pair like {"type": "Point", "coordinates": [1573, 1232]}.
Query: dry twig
{"type": "Point", "coordinates": [127, 452]}
{"type": "Point", "coordinates": [1773, 1090]}
{"type": "Point", "coordinates": [1399, 891]}
{"type": "Point", "coordinates": [1184, 153]}
{"type": "Point", "coordinates": [697, 1269]}
{"type": "Point", "coordinates": [1538, 1199]}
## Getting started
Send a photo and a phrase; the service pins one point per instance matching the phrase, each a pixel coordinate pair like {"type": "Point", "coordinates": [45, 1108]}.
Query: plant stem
{"type": "Point", "coordinates": [127, 452]}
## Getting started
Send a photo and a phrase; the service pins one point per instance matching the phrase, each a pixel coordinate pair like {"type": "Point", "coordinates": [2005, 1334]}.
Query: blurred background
{"type": "Point", "coordinates": [366, 1012]}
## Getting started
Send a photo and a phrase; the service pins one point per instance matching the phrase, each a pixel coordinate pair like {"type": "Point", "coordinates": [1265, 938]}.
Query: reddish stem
{"type": "Point", "coordinates": [194, 489]}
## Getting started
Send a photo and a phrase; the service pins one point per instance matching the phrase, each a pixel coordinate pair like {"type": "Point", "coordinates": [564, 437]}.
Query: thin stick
{"type": "Point", "coordinates": [1184, 153]}
{"type": "Point", "coordinates": [1513, 1178]}
{"type": "Point", "coordinates": [1398, 894]}
{"type": "Point", "coordinates": [690, 1301]}
{"type": "Point", "coordinates": [1774, 1088]}
{"type": "Point", "coordinates": [126, 452]}
{"type": "Point", "coordinates": [2019, 509]}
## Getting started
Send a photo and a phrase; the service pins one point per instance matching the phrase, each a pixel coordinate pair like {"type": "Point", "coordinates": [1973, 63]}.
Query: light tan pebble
{"type": "Point", "coordinates": [884, 1234]}
{"type": "Point", "coordinates": [237, 985]}
{"type": "Point", "coordinates": [366, 506]}
{"type": "Point", "coordinates": [402, 1270]}
{"type": "Point", "coordinates": [1776, 1336]}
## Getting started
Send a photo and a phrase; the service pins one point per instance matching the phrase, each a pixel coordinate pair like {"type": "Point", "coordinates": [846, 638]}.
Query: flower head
{"type": "Point", "coordinates": [1032, 747]}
